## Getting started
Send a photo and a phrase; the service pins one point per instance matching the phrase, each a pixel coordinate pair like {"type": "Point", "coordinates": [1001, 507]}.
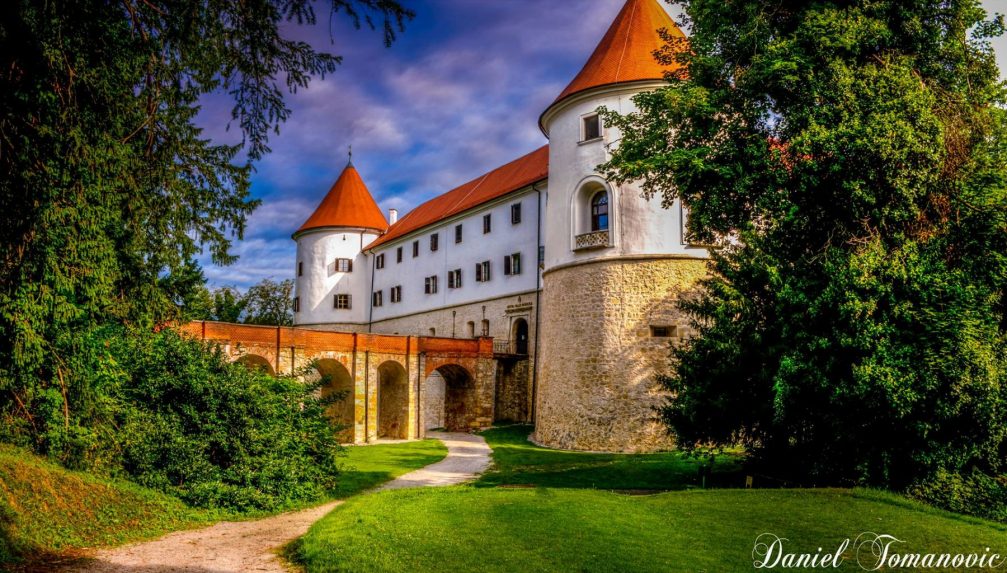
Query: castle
{"type": "Point", "coordinates": [575, 279]}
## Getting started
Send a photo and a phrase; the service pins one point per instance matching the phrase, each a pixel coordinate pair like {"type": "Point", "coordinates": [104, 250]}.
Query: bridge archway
{"type": "Point", "coordinates": [256, 362]}
{"type": "Point", "coordinates": [393, 401]}
{"type": "Point", "coordinates": [336, 380]}
{"type": "Point", "coordinates": [449, 399]}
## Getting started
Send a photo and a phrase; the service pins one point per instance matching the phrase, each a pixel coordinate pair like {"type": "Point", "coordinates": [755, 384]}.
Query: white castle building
{"type": "Point", "coordinates": [576, 279]}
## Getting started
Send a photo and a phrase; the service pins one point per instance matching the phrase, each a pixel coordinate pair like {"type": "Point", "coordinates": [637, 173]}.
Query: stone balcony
{"type": "Point", "coordinates": [592, 240]}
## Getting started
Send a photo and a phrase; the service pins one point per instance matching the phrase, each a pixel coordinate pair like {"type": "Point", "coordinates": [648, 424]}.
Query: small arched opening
{"type": "Point", "coordinates": [592, 215]}
{"type": "Point", "coordinates": [256, 362]}
{"type": "Point", "coordinates": [519, 336]}
{"type": "Point", "coordinates": [393, 401]}
{"type": "Point", "coordinates": [337, 386]}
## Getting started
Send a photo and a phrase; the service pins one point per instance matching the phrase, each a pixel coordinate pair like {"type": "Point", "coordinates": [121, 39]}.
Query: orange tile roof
{"type": "Point", "coordinates": [626, 53]}
{"type": "Point", "coordinates": [519, 173]}
{"type": "Point", "coordinates": [347, 204]}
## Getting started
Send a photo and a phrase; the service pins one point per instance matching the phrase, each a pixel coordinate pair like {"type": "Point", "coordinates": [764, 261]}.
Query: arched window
{"type": "Point", "coordinates": [599, 211]}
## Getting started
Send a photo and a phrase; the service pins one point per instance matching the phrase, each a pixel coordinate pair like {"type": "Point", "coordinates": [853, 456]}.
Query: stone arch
{"type": "Point", "coordinates": [256, 362]}
{"type": "Point", "coordinates": [336, 379]}
{"type": "Point", "coordinates": [449, 399]}
{"type": "Point", "coordinates": [519, 336]}
{"type": "Point", "coordinates": [393, 401]}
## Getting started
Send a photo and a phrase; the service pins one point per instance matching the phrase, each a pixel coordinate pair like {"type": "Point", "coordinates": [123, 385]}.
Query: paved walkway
{"type": "Point", "coordinates": [233, 547]}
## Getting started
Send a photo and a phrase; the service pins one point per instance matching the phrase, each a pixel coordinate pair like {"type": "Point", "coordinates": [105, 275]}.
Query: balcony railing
{"type": "Point", "coordinates": [507, 347]}
{"type": "Point", "coordinates": [592, 240]}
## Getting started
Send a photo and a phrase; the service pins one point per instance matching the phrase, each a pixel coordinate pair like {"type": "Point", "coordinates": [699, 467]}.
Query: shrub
{"type": "Point", "coordinates": [975, 493]}
{"type": "Point", "coordinates": [173, 414]}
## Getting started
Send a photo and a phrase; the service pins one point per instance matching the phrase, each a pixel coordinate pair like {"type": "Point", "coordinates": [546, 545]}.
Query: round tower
{"type": "Point", "coordinates": [333, 275]}
{"type": "Point", "coordinates": [615, 263]}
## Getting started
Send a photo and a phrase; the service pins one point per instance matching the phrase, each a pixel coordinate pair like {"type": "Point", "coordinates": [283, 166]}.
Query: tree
{"type": "Point", "coordinates": [849, 160]}
{"type": "Point", "coordinates": [228, 304]}
{"type": "Point", "coordinates": [106, 182]}
{"type": "Point", "coordinates": [270, 302]}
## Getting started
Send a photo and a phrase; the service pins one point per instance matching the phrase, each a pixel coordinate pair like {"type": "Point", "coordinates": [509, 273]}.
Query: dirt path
{"type": "Point", "coordinates": [233, 547]}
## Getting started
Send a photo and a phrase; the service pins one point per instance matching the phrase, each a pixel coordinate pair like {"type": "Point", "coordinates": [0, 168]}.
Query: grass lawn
{"type": "Point", "coordinates": [365, 467]}
{"type": "Point", "coordinates": [46, 510]}
{"type": "Point", "coordinates": [544, 530]}
{"type": "Point", "coordinates": [516, 461]}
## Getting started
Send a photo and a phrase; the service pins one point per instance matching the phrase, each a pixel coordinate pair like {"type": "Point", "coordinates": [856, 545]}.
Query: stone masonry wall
{"type": "Point", "coordinates": [598, 361]}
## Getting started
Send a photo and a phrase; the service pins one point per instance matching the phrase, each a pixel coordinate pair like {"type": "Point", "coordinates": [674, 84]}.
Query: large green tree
{"type": "Point", "coordinates": [107, 184]}
{"type": "Point", "coordinates": [848, 159]}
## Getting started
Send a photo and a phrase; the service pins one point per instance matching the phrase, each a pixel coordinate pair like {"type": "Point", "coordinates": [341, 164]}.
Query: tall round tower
{"type": "Point", "coordinates": [616, 263]}
{"type": "Point", "coordinates": [333, 274]}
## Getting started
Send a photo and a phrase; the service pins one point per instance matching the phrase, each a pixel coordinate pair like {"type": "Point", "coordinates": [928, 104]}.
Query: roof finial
{"type": "Point", "coordinates": [349, 162]}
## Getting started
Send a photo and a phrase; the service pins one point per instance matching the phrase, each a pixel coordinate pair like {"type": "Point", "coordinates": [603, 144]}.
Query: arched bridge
{"type": "Point", "coordinates": [396, 386]}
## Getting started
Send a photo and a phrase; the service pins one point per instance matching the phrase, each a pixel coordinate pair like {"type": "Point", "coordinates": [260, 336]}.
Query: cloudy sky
{"type": "Point", "coordinates": [457, 95]}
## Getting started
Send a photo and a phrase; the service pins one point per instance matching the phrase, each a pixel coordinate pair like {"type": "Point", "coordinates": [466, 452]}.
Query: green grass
{"type": "Point", "coordinates": [365, 467]}
{"type": "Point", "coordinates": [516, 461]}
{"type": "Point", "coordinates": [559, 530]}
{"type": "Point", "coordinates": [47, 510]}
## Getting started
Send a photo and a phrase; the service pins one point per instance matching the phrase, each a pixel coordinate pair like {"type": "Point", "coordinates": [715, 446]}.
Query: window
{"type": "Point", "coordinates": [434, 241]}
{"type": "Point", "coordinates": [486, 327]}
{"type": "Point", "coordinates": [512, 264]}
{"type": "Point", "coordinates": [472, 329]}
{"type": "Point", "coordinates": [344, 265]}
{"type": "Point", "coordinates": [482, 272]}
{"type": "Point", "coordinates": [341, 301]}
{"type": "Point", "coordinates": [515, 213]}
{"type": "Point", "coordinates": [487, 223]}
{"type": "Point", "coordinates": [455, 278]}
{"type": "Point", "coordinates": [541, 254]}
{"type": "Point", "coordinates": [297, 304]}
{"type": "Point", "coordinates": [379, 261]}
{"type": "Point", "coordinates": [599, 211]}
{"type": "Point", "coordinates": [663, 331]}
{"type": "Point", "coordinates": [458, 233]}
{"type": "Point", "coordinates": [433, 332]}
{"type": "Point", "coordinates": [377, 298]}
{"type": "Point", "coordinates": [398, 255]}
{"type": "Point", "coordinates": [300, 268]}
{"type": "Point", "coordinates": [416, 249]}
{"type": "Point", "coordinates": [396, 293]}
{"type": "Point", "coordinates": [592, 127]}
{"type": "Point", "coordinates": [430, 285]}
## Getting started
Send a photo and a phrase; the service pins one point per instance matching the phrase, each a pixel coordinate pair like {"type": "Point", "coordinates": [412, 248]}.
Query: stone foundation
{"type": "Point", "coordinates": [597, 388]}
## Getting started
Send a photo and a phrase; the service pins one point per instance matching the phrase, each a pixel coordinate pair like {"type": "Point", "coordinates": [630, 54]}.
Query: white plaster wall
{"type": "Point", "coordinates": [318, 251]}
{"type": "Point", "coordinates": [638, 226]}
{"type": "Point", "coordinates": [504, 239]}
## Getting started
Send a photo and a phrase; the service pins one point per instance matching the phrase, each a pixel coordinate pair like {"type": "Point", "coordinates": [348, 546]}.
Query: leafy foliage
{"type": "Point", "coordinates": [109, 189]}
{"type": "Point", "coordinates": [270, 302]}
{"type": "Point", "coordinates": [848, 159]}
{"type": "Point", "coordinates": [174, 415]}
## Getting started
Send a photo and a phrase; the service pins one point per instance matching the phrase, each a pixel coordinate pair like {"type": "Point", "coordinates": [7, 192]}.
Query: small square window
{"type": "Point", "coordinates": [512, 264]}
{"type": "Point", "coordinates": [344, 265]}
{"type": "Point", "coordinates": [663, 331]}
{"type": "Point", "coordinates": [515, 213]}
{"type": "Point", "coordinates": [430, 285]}
{"type": "Point", "coordinates": [487, 223]}
{"type": "Point", "coordinates": [455, 278]}
{"type": "Point", "coordinates": [483, 272]}
{"type": "Point", "coordinates": [396, 293]}
{"type": "Point", "coordinates": [378, 298]}
{"type": "Point", "coordinates": [458, 233]}
{"type": "Point", "coordinates": [341, 301]}
{"type": "Point", "coordinates": [592, 127]}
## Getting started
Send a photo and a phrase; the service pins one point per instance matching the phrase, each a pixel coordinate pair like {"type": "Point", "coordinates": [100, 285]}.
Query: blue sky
{"type": "Point", "coordinates": [458, 94]}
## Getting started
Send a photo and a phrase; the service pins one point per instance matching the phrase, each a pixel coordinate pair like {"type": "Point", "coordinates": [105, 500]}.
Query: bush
{"type": "Point", "coordinates": [975, 494]}
{"type": "Point", "coordinates": [173, 414]}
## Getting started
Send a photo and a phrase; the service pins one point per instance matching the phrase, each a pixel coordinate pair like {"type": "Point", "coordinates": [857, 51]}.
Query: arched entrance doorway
{"type": "Point", "coordinates": [337, 384]}
{"type": "Point", "coordinates": [519, 336]}
{"type": "Point", "coordinates": [449, 399]}
{"type": "Point", "coordinates": [256, 362]}
{"type": "Point", "coordinates": [393, 401]}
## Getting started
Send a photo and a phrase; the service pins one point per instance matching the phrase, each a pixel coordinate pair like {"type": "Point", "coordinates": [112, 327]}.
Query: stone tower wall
{"type": "Point", "coordinates": [598, 359]}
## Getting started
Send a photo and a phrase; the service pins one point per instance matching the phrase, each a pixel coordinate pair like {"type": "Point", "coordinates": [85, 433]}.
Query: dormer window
{"type": "Point", "coordinates": [599, 211]}
{"type": "Point", "coordinates": [591, 127]}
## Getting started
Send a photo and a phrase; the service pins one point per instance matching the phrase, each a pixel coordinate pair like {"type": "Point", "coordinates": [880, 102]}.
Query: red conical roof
{"type": "Point", "coordinates": [626, 53]}
{"type": "Point", "coordinates": [347, 204]}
